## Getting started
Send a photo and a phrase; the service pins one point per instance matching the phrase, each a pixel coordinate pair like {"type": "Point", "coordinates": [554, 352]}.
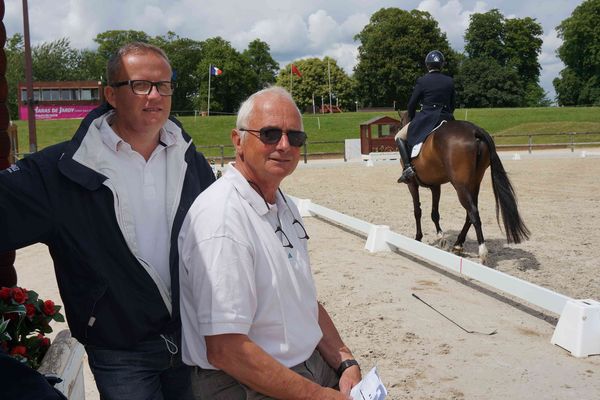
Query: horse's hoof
{"type": "Point", "coordinates": [457, 249]}
{"type": "Point", "coordinates": [441, 240]}
{"type": "Point", "coordinates": [483, 253]}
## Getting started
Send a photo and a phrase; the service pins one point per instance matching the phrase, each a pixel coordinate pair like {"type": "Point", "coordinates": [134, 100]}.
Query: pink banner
{"type": "Point", "coordinates": [53, 111]}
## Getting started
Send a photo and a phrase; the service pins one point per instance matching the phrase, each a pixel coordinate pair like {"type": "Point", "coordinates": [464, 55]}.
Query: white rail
{"type": "Point", "coordinates": [380, 238]}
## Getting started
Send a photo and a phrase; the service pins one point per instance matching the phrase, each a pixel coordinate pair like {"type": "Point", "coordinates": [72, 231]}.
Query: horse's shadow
{"type": "Point", "coordinates": [498, 249]}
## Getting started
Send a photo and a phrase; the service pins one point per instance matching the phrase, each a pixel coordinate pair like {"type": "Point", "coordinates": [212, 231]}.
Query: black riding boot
{"type": "Point", "coordinates": [408, 171]}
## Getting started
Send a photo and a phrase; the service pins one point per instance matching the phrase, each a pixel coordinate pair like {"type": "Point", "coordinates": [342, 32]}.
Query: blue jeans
{"type": "Point", "coordinates": [150, 370]}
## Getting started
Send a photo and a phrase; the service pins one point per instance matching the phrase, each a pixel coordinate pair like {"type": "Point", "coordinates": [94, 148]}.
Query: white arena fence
{"type": "Point", "coordinates": [578, 329]}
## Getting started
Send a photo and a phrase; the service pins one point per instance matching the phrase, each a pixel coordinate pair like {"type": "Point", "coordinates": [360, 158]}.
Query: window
{"type": "Point", "coordinates": [50, 94]}
{"type": "Point", "coordinates": [89, 94]}
{"type": "Point", "coordinates": [69, 94]}
{"type": "Point", "coordinates": [36, 95]}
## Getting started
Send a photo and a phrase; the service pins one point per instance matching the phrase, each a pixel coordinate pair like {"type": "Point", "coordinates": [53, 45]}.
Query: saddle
{"type": "Point", "coordinates": [417, 147]}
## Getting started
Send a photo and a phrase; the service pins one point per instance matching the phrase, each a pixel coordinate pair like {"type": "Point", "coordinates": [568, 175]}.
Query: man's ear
{"type": "Point", "coordinates": [110, 96]}
{"type": "Point", "coordinates": [236, 139]}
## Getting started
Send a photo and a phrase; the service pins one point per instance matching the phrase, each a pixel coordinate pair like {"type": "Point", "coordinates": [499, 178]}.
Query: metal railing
{"type": "Point", "coordinates": [528, 143]}
{"type": "Point", "coordinates": [571, 142]}
{"type": "Point", "coordinates": [221, 157]}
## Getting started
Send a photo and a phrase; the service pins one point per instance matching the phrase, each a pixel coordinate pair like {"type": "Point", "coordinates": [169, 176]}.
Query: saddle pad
{"type": "Point", "coordinates": [417, 147]}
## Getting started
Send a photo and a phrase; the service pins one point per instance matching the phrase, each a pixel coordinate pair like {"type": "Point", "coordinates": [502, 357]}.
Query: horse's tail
{"type": "Point", "coordinates": [506, 200]}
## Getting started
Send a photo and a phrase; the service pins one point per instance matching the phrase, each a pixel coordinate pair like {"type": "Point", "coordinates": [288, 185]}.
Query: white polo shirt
{"type": "Point", "coordinates": [141, 187]}
{"type": "Point", "coordinates": [236, 276]}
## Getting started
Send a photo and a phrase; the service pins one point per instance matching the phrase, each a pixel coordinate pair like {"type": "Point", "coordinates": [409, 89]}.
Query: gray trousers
{"type": "Point", "coordinates": [210, 384]}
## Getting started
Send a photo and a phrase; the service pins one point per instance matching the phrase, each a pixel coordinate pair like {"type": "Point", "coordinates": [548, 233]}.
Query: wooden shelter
{"type": "Point", "coordinates": [377, 135]}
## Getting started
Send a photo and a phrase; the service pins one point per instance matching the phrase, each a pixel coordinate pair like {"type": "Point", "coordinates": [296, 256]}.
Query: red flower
{"type": "Point", "coordinates": [19, 350]}
{"type": "Point", "coordinates": [5, 293]}
{"type": "Point", "coordinates": [44, 341]}
{"type": "Point", "coordinates": [30, 310]}
{"type": "Point", "coordinates": [19, 295]}
{"type": "Point", "coordinates": [49, 307]}
{"type": "Point", "coordinates": [13, 316]}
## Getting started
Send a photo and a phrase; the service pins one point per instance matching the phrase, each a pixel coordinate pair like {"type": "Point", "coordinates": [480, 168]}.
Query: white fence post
{"type": "Point", "coordinates": [65, 360]}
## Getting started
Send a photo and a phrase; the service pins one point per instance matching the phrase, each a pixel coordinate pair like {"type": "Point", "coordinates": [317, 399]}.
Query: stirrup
{"type": "Point", "coordinates": [407, 174]}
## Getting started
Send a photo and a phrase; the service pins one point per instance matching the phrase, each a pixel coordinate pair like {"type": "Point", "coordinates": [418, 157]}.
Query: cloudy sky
{"type": "Point", "coordinates": [292, 28]}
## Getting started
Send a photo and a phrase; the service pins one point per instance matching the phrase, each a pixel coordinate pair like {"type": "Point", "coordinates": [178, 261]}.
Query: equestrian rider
{"type": "Point", "coordinates": [435, 92]}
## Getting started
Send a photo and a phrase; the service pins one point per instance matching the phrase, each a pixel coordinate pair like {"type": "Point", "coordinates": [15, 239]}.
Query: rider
{"type": "Point", "coordinates": [435, 92]}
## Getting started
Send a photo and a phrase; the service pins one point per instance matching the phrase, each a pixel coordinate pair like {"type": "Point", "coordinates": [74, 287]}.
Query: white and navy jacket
{"type": "Point", "coordinates": [58, 197]}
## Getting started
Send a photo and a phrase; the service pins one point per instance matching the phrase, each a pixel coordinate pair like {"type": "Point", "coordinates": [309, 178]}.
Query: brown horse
{"type": "Point", "coordinates": [459, 152]}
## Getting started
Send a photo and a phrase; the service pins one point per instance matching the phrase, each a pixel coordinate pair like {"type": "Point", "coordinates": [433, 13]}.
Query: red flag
{"type": "Point", "coordinates": [295, 70]}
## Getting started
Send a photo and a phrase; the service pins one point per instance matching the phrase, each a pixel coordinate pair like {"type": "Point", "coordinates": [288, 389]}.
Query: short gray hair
{"type": "Point", "coordinates": [247, 106]}
{"type": "Point", "coordinates": [115, 63]}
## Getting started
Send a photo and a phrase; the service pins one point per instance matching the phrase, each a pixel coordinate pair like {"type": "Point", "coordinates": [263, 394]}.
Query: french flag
{"type": "Point", "coordinates": [214, 71]}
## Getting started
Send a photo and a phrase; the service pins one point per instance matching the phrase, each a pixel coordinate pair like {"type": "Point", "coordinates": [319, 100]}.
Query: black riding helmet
{"type": "Point", "coordinates": [434, 60]}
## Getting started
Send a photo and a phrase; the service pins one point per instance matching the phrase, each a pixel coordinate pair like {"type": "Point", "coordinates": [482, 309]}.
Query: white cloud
{"type": "Point", "coordinates": [293, 29]}
{"type": "Point", "coordinates": [452, 19]}
{"type": "Point", "coordinates": [322, 30]}
{"type": "Point", "coordinates": [285, 35]}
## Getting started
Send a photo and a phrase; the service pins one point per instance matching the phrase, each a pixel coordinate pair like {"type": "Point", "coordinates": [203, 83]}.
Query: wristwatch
{"type": "Point", "coordinates": [345, 365]}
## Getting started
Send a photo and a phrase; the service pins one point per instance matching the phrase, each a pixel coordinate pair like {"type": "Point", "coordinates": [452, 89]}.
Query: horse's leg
{"type": "Point", "coordinates": [460, 240]}
{"type": "Point", "coordinates": [435, 214]}
{"type": "Point", "coordinates": [468, 199]}
{"type": "Point", "coordinates": [414, 191]}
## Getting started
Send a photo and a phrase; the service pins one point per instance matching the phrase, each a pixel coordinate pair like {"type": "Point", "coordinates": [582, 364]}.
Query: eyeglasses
{"type": "Point", "coordinates": [273, 136]}
{"type": "Point", "coordinates": [144, 87]}
{"type": "Point", "coordinates": [300, 231]}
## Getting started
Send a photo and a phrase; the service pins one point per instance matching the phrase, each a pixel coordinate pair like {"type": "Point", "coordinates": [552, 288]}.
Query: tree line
{"type": "Point", "coordinates": [499, 67]}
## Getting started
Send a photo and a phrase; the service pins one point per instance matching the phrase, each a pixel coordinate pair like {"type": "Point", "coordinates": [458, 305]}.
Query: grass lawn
{"type": "Point", "coordinates": [507, 125]}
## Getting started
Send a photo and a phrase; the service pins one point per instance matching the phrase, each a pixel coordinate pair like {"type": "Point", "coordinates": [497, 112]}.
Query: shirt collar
{"type": "Point", "coordinates": [110, 138]}
{"type": "Point", "coordinates": [253, 198]}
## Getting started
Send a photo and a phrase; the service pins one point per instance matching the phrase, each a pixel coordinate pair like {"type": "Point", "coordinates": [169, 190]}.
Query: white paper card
{"type": "Point", "coordinates": [369, 388]}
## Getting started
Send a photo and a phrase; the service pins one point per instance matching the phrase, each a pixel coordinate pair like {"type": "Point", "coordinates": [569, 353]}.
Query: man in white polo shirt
{"type": "Point", "coordinates": [251, 322]}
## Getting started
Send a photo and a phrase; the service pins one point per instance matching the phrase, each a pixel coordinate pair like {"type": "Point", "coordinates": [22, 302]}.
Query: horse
{"type": "Point", "coordinates": [459, 152]}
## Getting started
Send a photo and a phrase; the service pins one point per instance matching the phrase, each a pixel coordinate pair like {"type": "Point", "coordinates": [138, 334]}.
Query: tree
{"type": "Point", "coordinates": [485, 36]}
{"type": "Point", "coordinates": [484, 83]}
{"type": "Point", "coordinates": [91, 66]}
{"type": "Point", "coordinates": [580, 52]}
{"type": "Point", "coordinates": [261, 63]}
{"type": "Point", "coordinates": [15, 71]}
{"type": "Point", "coordinates": [230, 88]}
{"type": "Point", "coordinates": [110, 41]}
{"type": "Point", "coordinates": [184, 55]}
{"type": "Point", "coordinates": [508, 47]}
{"type": "Point", "coordinates": [54, 61]}
{"type": "Point", "coordinates": [391, 55]}
{"type": "Point", "coordinates": [314, 83]}
{"type": "Point", "coordinates": [523, 44]}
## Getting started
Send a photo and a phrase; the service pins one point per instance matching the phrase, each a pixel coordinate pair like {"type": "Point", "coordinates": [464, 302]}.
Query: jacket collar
{"type": "Point", "coordinates": [82, 168]}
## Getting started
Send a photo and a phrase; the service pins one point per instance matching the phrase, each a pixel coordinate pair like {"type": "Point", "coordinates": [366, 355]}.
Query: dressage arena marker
{"type": "Point", "coordinates": [586, 153]}
{"type": "Point", "coordinates": [578, 329]}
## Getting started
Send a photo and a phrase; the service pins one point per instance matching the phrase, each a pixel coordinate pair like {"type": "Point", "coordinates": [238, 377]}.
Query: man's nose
{"type": "Point", "coordinates": [283, 143]}
{"type": "Point", "coordinates": [154, 92]}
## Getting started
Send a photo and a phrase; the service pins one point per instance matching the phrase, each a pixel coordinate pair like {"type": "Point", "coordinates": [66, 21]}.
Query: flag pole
{"type": "Point", "coordinates": [209, 74]}
{"type": "Point", "coordinates": [329, 77]}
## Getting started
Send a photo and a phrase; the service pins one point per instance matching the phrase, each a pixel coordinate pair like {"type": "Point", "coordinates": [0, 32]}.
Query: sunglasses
{"type": "Point", "coordinates": [273, 136]}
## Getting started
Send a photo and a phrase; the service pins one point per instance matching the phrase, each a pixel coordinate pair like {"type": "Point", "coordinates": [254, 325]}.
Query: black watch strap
{"type": "Point", "coordinates": [345, 365]}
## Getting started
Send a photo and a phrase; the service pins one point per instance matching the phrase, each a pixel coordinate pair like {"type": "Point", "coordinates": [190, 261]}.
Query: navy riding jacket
{"type": "Point", "coordinates": [435, 92]}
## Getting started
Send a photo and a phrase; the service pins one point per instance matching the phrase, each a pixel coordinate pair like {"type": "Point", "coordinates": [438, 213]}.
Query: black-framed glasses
{"type": "Point", "coordinates": [300, 231]}
{"type": "Point", "coordinates": [143, 87]}
{"type": "Point", "coordinates": [273, 136]}
{"type": "Point", "coordinates": [285, 241]}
